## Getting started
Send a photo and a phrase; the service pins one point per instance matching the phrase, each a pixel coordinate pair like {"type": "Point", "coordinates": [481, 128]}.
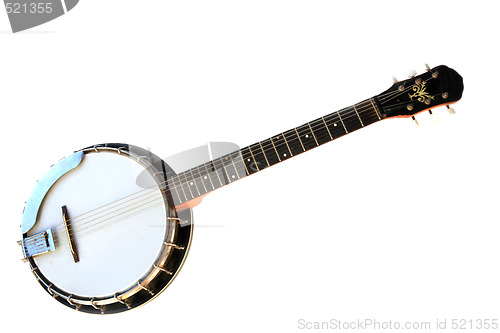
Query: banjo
{"type": "Point", "coordinates": [99, 241]}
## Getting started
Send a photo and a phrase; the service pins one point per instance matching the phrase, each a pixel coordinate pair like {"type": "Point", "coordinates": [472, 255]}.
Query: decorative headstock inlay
{"type": "Point", "coordinates": [420, 94]}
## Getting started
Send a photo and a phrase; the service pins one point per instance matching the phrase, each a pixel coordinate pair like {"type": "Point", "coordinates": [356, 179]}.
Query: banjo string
{"type": "Point", "coordinates": [78, 221]}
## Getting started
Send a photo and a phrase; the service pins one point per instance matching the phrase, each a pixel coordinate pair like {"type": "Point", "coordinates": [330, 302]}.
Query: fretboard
{"type": "Point", "coordinates": [229, 168]}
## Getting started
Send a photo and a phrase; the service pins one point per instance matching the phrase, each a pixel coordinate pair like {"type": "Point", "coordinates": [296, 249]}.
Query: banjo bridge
{"type": "Point", "coordinates": [69, 233]}
{"type": "Point", "coordinates": [38, 244]}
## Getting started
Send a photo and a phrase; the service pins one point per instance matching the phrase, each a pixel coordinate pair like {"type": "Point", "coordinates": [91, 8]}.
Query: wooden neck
{"type": "Point", "coordinates": [198, 181]}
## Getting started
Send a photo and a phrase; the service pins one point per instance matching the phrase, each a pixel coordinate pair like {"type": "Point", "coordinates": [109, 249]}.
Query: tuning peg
{"type": "Point", "coordinates": [415, 120]}
{"type": "Point", "coordinates": [427, 67]}
{"type": "Point", "coordinates": [433, 116]}
{"type": "Point", "coordinates": [450, 110]}
{"type": "Point", "coordinates": [395, 79]}
{"type": "Point", "coordinates": [412, 73]}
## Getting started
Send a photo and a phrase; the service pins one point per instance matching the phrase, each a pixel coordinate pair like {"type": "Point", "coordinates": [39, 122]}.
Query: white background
{"type": "Point", "coordinates": [392, 222]}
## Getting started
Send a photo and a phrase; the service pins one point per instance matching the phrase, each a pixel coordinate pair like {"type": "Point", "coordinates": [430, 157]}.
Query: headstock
{"type": "Point", "coordinates": [440, 85]}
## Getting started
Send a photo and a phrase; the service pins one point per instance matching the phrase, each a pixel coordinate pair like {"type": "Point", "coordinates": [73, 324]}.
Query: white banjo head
{"type": "Point", "coordinates": [108, 241]}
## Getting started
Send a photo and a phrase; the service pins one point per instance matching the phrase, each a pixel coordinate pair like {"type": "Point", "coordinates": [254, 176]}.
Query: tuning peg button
{"type": "Point", "coordinates": [450, 110]}
{"type": "Point", "coordinates": [412, 73]}
{"type": "Point", "coordinates": [433, 116]}
{"type": "Point", "coordinates": [395, 79]}
{"type": "Point", "coordinates": [427, 67]}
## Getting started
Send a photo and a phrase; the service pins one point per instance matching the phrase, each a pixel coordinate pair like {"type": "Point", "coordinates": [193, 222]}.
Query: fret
{"type": "Point", "coordinates": [208, 175]}
{"type": "Point", "coordinates": [179, 186]}
{"type": "Point", "coordinates": [235, 175]}
{"type": "Point", "coordinates": [335, 126]}
{"type": "Point", "coordinates": [314, 135]}
{"type": "Point", "coordinates": [326, 126]}
{"type": "Point", "coordinates": [306, 136]}
{"type": "Point", "coordinates": [276, 150]}
{"type": "Point", "coordinates": [354, 107]}
{"type": "Point", "coordinates": [229, 168]}
{"type": "Point", "coordinates": [202, 175]}
{"type": "Point", "coordinates": [264, 154]}
{"type": "Point", "coordinates": [243, 162]}
{"type": "Point", "coordinates": [281, 146]}
{"type": "Point", "coordinates": [287, 146]}
{"type": "Point", "coordinates": [270, 152]}
{"type": "Point", "coordinates": [249, 160]}
{"type": "Point", "coordinates": [342, 122]}
{"type": "Point", "coordinates": [349, 119]}
{"type": "Point", "coordinates": [182, 183]}
{"type": "Point", "coordinates": [221, 172]}
{"type": "Point", "coordinates": [185, 184]}
{"type": "Point", "coordinates": [300, 140]}
{"type": "Point", "coordinates": [258, 156]}
{"type": "Point", "coordinates": [176, 199]}
{"type": "Point", "coordinates": [320, 131]}
{"type": "Point", "coordinates": [238, 164]}
{"type": "Point", "coordinates": [199, 180]}
{"type": "Point", "coordinates": [293, 142]}
{"type": "Point", "coordinates": [218, 173]}
{"type": "Point", "coordinates": [377, 111]}
{"type": "Point", "coordinates": [193, 183]}
{"type": "Point", "coordinates": [367, 112]}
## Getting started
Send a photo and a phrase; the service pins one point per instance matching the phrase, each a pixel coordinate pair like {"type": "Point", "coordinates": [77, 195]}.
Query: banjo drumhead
{"type": "Point", "coordinates": [117, 242]}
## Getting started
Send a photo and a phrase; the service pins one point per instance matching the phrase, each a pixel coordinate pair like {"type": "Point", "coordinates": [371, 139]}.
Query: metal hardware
{"type": "Point", "coordinates": [159, 174]}
{"type": "Point", "coordinates": [38, 244]}
{"type": "Point", "coordinates": [34, 273]}
{"type": "Point", "coordinates": [97, 307]}
{"type": "Point", "coordinates": [163, 269]}
{"type": "Point", "coordinates": [175, 246]}
{"type": "Point", "coordinates": [147, 158]}
{"type": "Point", "coordinates": [182, 223]}
{"type": "Point", "coordinates": [70, 301]}
{"type": "Point", "coordinates": [435, 74]}
{"type": "Point", "coordinates": [143, 287]}
{"type": "Point", "coordinates": [52, 292]}
{"type": "Point", "coordinates": [444, 95]}
{"type": "Point", "coordinates": [77, 306]}
{"type": "Point", "coordinates": [119, 300]}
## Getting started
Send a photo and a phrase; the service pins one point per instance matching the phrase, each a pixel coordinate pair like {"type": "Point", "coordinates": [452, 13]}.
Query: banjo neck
{"type": "Point", "coordinates": [191, 185]}
{"type": "Point", "coordinates": [438, 86]}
